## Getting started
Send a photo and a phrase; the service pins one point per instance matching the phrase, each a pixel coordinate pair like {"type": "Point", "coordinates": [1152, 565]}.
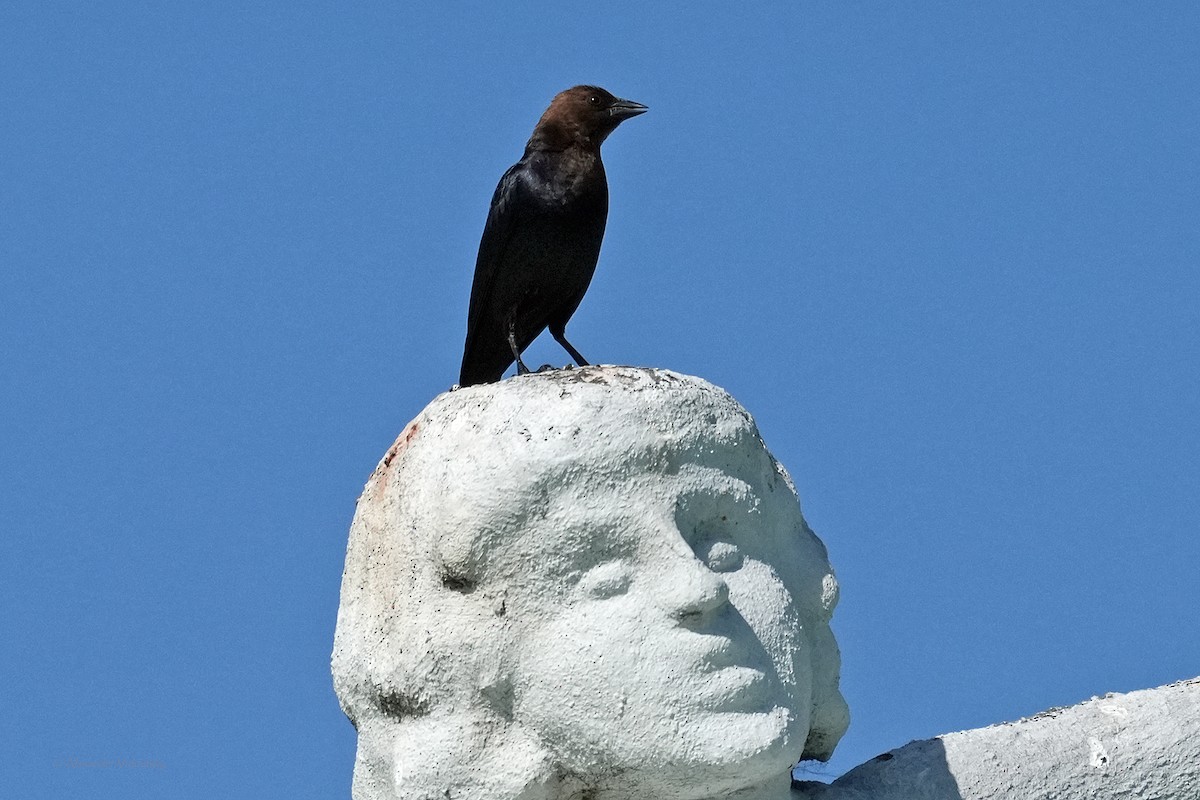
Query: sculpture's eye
{"type": "Point", "coordinates": [606, 580]}
{"type": "Point", "coordinates": [723, 557]}
{"type": "Point", "coordinates": [594, 100]}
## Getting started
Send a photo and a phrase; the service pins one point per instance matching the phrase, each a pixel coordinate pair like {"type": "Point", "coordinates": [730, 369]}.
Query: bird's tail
{"type": "Point", "coordinates": [484, 365]}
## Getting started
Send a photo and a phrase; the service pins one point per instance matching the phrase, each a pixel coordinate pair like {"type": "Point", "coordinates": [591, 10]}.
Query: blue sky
{"type": "Point", "coordinates": [946, 253]}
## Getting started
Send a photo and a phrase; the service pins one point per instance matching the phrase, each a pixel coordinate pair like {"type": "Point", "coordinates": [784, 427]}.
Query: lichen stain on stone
{"type": "Point", "coordinates": [399, 446]}
{"type": "Point", "coordinates": [400, 706]}
{"type": "Point", "coordinates": [458, 583]}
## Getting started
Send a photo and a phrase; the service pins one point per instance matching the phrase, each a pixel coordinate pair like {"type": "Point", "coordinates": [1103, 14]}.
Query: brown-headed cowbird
{"type": "Point", "coordinates": [543, 234]}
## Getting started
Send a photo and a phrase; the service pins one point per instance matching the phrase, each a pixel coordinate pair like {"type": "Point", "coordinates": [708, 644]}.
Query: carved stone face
{"type": "Point", "coordinates": [643, 596]}
{"type": "Point", "coordinates": [672, 636]}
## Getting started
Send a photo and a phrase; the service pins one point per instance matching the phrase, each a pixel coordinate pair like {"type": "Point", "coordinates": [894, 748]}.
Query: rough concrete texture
{"type": "Point", "coordinates": [590, 583]}
{"type": "Point", "coordinates": [1144, 744]}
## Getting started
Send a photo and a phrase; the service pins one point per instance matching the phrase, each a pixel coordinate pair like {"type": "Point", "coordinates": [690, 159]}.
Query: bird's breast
{"type": "Point", "coordinates": [567, 180]}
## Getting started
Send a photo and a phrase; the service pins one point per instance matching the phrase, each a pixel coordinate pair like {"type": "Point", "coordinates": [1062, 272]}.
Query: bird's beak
{"type": "Point", "coordinates": [624, 109]}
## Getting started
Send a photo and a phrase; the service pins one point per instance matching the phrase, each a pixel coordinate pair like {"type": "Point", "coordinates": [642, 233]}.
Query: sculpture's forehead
{"type": "Point", "coordinates": [575, 516]}
{"type": "Point", "coordinates": [658, 476]}
{"type": "Point", "coordinates": [558, 458]}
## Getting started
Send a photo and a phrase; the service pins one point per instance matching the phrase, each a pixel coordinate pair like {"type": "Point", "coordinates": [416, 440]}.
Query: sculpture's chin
{"type": "Point", "coordinates": [714, 756]}
{"type": "Point", "coordinates": [747, 738]}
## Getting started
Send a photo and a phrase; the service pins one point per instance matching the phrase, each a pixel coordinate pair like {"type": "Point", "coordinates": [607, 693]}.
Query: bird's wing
{"type": "Point", "coordinates": [502, 221]}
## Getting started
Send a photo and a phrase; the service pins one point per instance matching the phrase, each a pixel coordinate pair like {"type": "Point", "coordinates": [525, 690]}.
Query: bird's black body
{"type": "Point", "coordinates": [543, 234]}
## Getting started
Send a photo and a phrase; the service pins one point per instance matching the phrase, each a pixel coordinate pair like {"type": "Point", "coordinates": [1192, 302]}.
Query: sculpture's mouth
{"type": "Point", "coordinates": [731, 678]}
{"type": "Point", "coordinates": [725, 652]}
{"type": "Point", "coordinates": [735, 689]}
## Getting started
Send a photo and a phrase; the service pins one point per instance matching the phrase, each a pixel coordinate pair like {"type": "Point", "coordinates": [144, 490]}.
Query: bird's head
{"type": "Point", "coordinates": [583, 115]}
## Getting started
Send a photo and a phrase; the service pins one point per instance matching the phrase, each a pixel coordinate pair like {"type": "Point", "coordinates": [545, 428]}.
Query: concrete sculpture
{"type": "Point", "coordinates": [593, 583]}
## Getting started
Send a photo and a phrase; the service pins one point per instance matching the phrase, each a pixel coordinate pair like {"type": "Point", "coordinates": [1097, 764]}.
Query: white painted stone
{"type": "Point", "coordinates": [1144, 744]}
{"type": "Point", "coordinates": [591, 583]}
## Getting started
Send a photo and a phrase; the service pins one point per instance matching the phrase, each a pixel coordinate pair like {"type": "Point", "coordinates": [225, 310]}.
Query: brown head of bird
{"type": "Point", "coordinates": [582, 116]}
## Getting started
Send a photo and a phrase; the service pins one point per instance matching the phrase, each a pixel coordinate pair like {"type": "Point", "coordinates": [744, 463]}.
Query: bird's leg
{"type": "Point", "coordinates": [512, 342]}
{"type": "Point", "coordinates": [560, 336]}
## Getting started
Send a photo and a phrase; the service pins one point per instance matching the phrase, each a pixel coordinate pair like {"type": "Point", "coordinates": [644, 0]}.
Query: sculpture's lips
{"type": "Point", "coordinates": [725, 652]}
{"type": "Point", "coordinates": [727, 679]}
{"type": "Point", "coordinates": [734, 689]}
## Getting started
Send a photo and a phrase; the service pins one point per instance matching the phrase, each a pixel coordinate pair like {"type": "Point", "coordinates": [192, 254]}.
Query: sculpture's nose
{"type": "Point", "coordinates": [692, 591]}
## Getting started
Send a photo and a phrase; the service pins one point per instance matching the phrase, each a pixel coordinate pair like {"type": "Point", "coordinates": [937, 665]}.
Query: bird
{"type": "Point", "coordinates": [542, 237]}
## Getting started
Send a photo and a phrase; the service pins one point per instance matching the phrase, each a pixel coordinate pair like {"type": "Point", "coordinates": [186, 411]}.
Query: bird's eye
{"type": "Point", "coordinates": [594, 100]}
